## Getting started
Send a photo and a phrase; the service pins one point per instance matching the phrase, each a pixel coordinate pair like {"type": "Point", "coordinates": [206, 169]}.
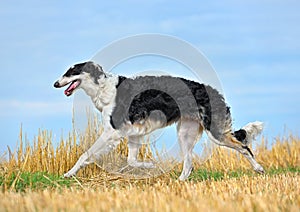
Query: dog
{"type": "Point", "coordinates": [134, 107]}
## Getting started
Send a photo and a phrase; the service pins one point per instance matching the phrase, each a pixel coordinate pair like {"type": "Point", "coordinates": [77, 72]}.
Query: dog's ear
{"type": "Point", "coordinates": [101, 70]}
{"type": "Point", "coordinates": [100, 67]}
{"type": "Point", "coordinates": [94, 70]}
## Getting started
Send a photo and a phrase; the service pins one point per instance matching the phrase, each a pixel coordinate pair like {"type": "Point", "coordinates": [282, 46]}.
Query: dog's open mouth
{"type": "Point", "coordinates": [74, 84]}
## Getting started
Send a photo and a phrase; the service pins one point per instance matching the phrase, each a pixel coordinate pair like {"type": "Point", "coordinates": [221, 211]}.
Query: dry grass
{"type": "Point", "coordinates": [94, 189]}
{"type": "Point", "coordinates": [263, 193]}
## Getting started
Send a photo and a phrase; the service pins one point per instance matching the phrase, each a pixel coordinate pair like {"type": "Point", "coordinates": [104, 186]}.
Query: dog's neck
{"type": "Point", "coordinates": [104, 93]}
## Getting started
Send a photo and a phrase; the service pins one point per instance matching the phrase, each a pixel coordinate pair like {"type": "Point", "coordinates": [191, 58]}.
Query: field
{"type": "Point", "coordinates": [31, 180]}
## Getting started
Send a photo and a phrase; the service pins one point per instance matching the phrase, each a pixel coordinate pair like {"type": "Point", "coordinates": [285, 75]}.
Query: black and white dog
{"type": "Point", "coordinates": [134, 107]}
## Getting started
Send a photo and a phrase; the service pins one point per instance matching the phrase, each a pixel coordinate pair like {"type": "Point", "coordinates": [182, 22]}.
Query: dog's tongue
{"type": "Point", "coordinates": [71, 88]}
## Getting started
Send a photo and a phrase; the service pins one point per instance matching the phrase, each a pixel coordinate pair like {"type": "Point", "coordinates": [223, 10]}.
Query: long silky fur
{"type": "Point", "coordinates": [138, 98]}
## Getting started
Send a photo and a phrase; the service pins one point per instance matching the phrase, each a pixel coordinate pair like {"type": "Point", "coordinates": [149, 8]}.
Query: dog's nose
{"type": "Point", "coordinates": [56, 84]}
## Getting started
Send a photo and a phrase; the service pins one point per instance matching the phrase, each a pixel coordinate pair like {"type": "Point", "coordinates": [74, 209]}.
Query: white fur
{"type": "Point", "coordinates": [189, 131]}
{"type": "Point", "coordinates": [66, 80]}
{"type": "Point", "coordinates": [253, 129]}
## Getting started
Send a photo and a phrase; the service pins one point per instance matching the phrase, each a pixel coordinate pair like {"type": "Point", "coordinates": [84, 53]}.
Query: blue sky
{"type": "Point", "coordinates": [254, 47]}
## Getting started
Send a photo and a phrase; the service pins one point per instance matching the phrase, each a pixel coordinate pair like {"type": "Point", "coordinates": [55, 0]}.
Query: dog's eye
{"type": "Point", "coordinates": [72, 72]}
{"type": "Point", "coordinates": [75, 70]}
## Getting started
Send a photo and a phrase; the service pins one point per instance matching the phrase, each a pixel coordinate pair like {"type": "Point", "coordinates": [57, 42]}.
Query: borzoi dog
{"type": "Point", "coordinates": [134, 107]}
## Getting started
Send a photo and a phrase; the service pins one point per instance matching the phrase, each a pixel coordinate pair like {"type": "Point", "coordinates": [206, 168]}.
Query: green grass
{"type": "Point", "coordinates": [203, 174]}
{"type": "Point", "coordinates": [41, 181]}
{"type": "Point", "coordinates": [33, 181]}
{"type": "Point", "coordinates": [280, 170]}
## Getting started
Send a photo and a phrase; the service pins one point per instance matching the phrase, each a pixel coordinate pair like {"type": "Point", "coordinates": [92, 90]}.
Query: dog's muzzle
{"type": "Point", "coordinates": [56, 84]}
{"type": "Point", "coordinates": [72, 87]}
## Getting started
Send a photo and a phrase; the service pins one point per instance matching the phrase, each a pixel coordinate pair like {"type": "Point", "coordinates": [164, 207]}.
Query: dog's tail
{"type": "Point", "coordinates": [249, 132]}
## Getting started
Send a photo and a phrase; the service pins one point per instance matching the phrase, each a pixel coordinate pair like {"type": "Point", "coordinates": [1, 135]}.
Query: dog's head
{"type": "Point", "coordinates": [81, 75]}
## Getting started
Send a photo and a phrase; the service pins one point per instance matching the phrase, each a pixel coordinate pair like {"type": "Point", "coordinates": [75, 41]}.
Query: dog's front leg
{"type": "Point", "coordinates": [133, 150]}
{"type": "Point", "coordinates": [104, 144]}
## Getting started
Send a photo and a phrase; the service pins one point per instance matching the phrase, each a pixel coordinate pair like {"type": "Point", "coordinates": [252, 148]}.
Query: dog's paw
{"type": "Point", "coordinates": [69, 174]}
{"type": "Point", "coordinates": [259, 169]}
{"type": "Point", "coordinates": [147, 165]}
{"type": "Point", "coordinates": [185, 174]}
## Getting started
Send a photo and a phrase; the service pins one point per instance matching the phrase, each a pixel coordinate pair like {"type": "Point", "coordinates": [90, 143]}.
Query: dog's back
{"type": "Point", "coordinates": [167, 99]}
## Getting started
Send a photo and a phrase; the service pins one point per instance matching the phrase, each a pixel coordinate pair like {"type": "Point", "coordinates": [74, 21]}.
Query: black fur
{"type": "Point", "coordinates": [120, 80]}
{"type": "Point", "coordinates": [167, 99]}
{"type": "Point", "coordinates": [76, 70]}
{"type": "Point", "coordinates": [89, 67]}
{"type": "Point", "coordinates": [241, 135]}
{"type": "Point", "coordinates": [95, 71]}
{"type": "Point", "coordinates": [248, 149]}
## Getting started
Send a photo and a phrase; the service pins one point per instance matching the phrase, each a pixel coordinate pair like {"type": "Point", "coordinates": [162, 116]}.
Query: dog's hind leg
{"type": "Point", "coordinates": [244, 150]}
{"type": "Point", "coordinates": [229, 140]}
{"type": "Point", "coordinates": [104, 144]}
{"type": "Point", "coordinates": [232, 143]}
{"type": "Point", "coordinates": [133, 150]}
{"type": "Point", "coordinates": [188, 132]}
